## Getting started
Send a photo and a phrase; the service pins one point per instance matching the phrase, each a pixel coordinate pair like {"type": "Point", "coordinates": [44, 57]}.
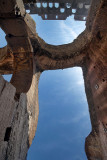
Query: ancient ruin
{"type": "Point", "coordinates": [59, 9]}
{"type": "Point", "coordinates": [27, 55]}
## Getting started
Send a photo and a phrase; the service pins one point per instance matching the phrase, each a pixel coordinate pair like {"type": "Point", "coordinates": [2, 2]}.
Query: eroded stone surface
{"type": "Point", "coordinates": [58, 9]}
{"type": "Point", "coordinates": [19, 112]}
{"type": "Point", "coordinates": [26, 55]}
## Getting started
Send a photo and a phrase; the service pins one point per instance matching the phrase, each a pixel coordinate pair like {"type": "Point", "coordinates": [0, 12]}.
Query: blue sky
{"type": "Point", "coordinates": [63, 117]}
{"type": "Point", "coordinates": [63, 120]}
{"type": "Point", "coordinates": [63, 111]}
{"type": "Point", "coordinates": [58, 32]}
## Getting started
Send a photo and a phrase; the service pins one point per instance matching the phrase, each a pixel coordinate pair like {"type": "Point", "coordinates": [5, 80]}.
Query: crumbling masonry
{"type": "Point", "coordinates": [58, 9]}
{"type": "Point", "coordinates": [27, 55]}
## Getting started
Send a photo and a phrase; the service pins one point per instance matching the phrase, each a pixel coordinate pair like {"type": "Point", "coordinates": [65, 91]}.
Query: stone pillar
{"type": "Point", "coordinates": [18, 119]}
{"type": "Point", "coordinates": [95, 76]}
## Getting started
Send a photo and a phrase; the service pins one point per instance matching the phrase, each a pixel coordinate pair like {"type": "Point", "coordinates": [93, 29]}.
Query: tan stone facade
{"type": "Point", "coordinates": [27, 55]}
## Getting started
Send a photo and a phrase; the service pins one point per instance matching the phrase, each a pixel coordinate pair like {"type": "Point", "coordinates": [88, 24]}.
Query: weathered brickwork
{"type": "Point", "coordinates": [59, 9]}
{"type": "Point", "coordinates": [27, 55]}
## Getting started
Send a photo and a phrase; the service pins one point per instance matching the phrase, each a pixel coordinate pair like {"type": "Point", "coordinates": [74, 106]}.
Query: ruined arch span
{"type": "Point", "coordinates": [27, 55]}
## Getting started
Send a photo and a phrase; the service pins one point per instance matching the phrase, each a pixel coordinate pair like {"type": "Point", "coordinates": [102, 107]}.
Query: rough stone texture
{"type": "Point", "coordinates": [20, 112]}
{"type": "Point", "coordinates": [58, 9]}
{"type": "Point", "coordinates": [26, 55]}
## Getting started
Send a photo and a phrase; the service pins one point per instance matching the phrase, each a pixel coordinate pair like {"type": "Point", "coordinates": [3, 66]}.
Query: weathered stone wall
{"type": "Point", "coordinates": [18, 113]}
{"type": "Point", "coordinates": [96, 90]}
{"type": "Point", "coordinates": [26, 55]}
{"type": "Point", "coordinates": [95, 76]}
{"type": "Point", "coordinates": [7, 108]}
{"type": "Point", "coordinates": [59, 9]}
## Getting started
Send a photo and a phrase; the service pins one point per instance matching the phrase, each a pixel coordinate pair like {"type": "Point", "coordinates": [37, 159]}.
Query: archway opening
{"type": "Point", "coordinates": [3, 41]}
{"type": "Point", "coordinates": [58, 32]}
{"type": "Point", "coordinates": [7, 77]}
{"type": "Point", "coordinates": [64, 121]}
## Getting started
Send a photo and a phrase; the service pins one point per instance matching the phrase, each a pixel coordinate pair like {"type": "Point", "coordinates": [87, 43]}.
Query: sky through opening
{"type": "Point", "coordinates": [63, 115]}
{"type": "Point", "coordinates": [63, 119]}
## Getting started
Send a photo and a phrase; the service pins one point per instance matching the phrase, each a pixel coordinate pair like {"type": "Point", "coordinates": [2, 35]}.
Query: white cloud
{"type": "Point", "coordinates": [80, 82]}
{"type": "Point", "coordinates": [67, 32]}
